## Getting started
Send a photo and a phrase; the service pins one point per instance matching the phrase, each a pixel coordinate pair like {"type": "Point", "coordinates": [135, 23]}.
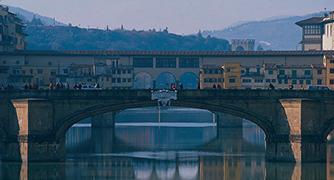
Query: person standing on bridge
{"type": "Point", "coordinates": [271, 86]}
{"type": "Point", "coordinates": [173, 86]}
{"type": "Point", "coordinates": [181, 86]}
{"type": "Point", "coordinates": [291, 87]}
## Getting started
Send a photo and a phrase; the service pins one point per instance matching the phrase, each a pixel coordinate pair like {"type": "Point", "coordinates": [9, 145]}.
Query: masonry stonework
{"type": "Point", "coordinates": [296, 123]}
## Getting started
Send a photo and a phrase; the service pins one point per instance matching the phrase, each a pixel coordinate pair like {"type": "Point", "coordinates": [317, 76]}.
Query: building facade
{"type": "Point", "coordinates": [252, 77]}
{"type": "Point", "coordinates": [329, 65]}
{"type": "Point", "coordinates": [318, 33]}
{"type": "Point", "coordinates": [12, 36]}
{"type": "Point", "coordinates": [164, 69]}
{"type": "Point", "coordinates": [232, 75]}
{"type": "Point", "coordinates": [328, 36]}
{"type": "Point", "coordinates": [211, 76]}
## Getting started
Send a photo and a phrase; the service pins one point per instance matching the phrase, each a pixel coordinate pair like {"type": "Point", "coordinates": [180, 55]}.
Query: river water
{"type": "Point", "coordinates": [190, 148]}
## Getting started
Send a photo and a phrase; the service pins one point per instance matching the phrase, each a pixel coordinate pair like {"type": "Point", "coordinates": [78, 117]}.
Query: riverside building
{"type": "Point", "coordinates": [162, 69]}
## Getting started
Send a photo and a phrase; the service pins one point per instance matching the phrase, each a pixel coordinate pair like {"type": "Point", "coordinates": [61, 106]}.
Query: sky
{"type": "Point", "coordinates": [180, 16]}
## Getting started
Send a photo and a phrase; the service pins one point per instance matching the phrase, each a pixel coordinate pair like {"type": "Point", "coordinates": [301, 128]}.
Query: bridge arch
{"type": "Point", "coordinates": [79, 115]}
{"type": "Point", "coordinates": [143, 80]}
{"type": "Point", "coordinates": [164, 80]}
{"type": "Point", "coordinates": [189, 80]}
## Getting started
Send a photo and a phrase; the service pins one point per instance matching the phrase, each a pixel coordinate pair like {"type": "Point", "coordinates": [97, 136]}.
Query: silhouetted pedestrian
{"type": "Point", "coordinates": [290, 86]}
{"type": "Point", "coordinates": [271, 86]}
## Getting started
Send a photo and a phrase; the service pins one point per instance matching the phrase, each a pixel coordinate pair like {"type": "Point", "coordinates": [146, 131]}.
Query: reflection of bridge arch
{"type": "Point", "coordinates": [166, 170]}
{"type": "Point", "coordinates": [143, 80]}
{"type": "Point", "coordinates": [104, 108]}
{"type": "Point", "coordinates": [165, 80]}
{"type": "Point", "coordinates": [188, 170]}
{"type": "Point", "coordinates": [143, 170]}
{"type": "Point", "coordinates": [189, 80]}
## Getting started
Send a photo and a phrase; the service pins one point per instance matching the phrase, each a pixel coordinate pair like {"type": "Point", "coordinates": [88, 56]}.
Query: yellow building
{"type": "Point", "coordinates": [211, 76]}
{"type": "Point", "coordinates": [227, 76]}
{"type": "Point", "coordinates": [232, 75]}
{"type": "Point", "coordinates": [318, 74]}
{"type": "Point", "coordinates": [329, 65]}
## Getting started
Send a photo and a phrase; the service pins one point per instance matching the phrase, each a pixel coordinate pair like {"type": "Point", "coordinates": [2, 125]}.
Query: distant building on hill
{"type": "Point", "coordinates": [12, 36]}
{"type": "Point", "coordinates": [318, 32]}
{"type": "Point", "coordinates": [243, 44]}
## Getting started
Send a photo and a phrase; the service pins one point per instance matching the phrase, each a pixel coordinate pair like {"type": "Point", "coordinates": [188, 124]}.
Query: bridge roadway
{"type": "Point", "coordinates": [296, 123]}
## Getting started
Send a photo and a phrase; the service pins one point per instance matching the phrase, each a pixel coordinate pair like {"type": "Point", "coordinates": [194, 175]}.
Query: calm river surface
{"type": "Point", "coordinates": [191, 149]}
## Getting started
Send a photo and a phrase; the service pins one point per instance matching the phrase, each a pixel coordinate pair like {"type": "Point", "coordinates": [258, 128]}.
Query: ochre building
{"type": "Point", "coordinates": [164, 69]}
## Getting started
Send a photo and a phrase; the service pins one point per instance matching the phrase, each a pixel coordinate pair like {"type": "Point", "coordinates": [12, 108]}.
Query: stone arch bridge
{"type": "Point", "coordinates": [296, 123]}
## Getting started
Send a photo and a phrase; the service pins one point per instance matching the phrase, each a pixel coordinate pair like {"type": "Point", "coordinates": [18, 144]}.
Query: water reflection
{"type": "Point", "coordinates": [205, 167]}
{"type": "Point", "coordinates": [103, 153]}
{"type": "Point", "coordinates": [164, 138]}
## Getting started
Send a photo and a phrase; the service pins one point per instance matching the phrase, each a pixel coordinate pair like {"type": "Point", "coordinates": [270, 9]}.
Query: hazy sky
{"type": "Point", "coordinates": [180, 16]}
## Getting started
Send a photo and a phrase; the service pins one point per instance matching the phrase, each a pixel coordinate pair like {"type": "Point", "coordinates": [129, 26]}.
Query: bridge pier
{"type": "Point", "coordinates": [298, 137]}
{"type": "Point", "coordinates": [33, 140]}
{"type": "Point", "coordinates": [295, 149]}
{"type": "Point", "coordinates": [26, 171]}
{"type": "Point", "coordinates": [103, 140]}
{"type": "Point", "coordinates": [228, 121]}
{"type": "Point", "coordinates": [106, 120]}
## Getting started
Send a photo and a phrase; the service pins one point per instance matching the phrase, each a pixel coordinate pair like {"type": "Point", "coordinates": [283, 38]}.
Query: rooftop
{"type": "Point", "coordinates": [169, 53]}
{"type": "Point", "coordinates": [310, 21]}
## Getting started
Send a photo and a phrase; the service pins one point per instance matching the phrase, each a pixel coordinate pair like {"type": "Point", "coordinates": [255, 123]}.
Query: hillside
{"type": "Point", "coordinates": [75, 38]}
{"type": "Point", "coordinates": [28, 16]}
{"type": "Point", "coordinates": [272, 34]}
{"type": "Point", "coordinates": [278, 33]}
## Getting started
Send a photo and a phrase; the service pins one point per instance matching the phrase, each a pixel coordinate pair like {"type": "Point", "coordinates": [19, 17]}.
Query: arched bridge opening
{"type": "Point", "coordinates": [109, 111]}
{"type": "Point", "coordinates": [75, 117]}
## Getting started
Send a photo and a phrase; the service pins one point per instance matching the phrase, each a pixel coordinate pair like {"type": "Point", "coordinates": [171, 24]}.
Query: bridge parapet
{"type": "Point", "coordinates": [185, 94]}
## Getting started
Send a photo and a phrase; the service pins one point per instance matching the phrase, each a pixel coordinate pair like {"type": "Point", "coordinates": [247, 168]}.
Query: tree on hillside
{"type": "Point", "coordinates": [75, 38]}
